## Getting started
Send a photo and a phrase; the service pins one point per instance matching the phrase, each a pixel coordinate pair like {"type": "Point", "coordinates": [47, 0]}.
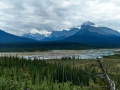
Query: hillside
{"type": "Point", "coordinates": [9, 38]}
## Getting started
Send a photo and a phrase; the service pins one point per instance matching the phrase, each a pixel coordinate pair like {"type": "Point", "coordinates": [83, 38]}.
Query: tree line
{"type": "Point", "coordinates": [41, 46]}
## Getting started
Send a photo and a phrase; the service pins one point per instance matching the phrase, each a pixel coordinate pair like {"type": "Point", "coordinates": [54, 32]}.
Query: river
{"type": "Point", "coordinates": [81, 54]}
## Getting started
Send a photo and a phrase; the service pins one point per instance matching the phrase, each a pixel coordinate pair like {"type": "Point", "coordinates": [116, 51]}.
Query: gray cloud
{"type": "Point", "coordinates": [21, 16]}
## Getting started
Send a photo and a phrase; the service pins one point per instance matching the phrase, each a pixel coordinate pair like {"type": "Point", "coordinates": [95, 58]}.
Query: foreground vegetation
{"type": "Point", "coordinates": [64, 74]}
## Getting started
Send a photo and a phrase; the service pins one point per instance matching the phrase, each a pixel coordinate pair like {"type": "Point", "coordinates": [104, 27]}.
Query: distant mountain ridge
{"type": "Point", "coordinates": [91, 27]}
{"type": "Point", "coordinates": [58, 35]}
{"type": "Point", "coordinates": [55, 35]}
{"type": "Point", "coordinates": [96, 36]}
{"type": "Point", "coordinates": [85, 28]}
{"type": "Point", "coordinates": [88, 33]}
{"type": "Point", "coordinates": [8, 38]}
{"type": "Point", "coordinates": [36, 36]}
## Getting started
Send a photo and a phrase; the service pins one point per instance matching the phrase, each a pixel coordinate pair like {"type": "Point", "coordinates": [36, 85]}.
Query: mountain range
{"type": "Point", "coordinates": [55, 35]}
{"type": "Point", "coordinates": [58, 35]}
{"type": "Point", "coordinates": [96, 36]}
{"type": "Point", "coordinates": [85, 28]}
{"type": "Point", "coordinates": [88, 33]}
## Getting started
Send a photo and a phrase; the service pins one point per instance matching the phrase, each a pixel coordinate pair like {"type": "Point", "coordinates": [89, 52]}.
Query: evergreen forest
{"type": "Point", "coordinates": [42, 46]}
{"type": "Point", "coordinates": [57, 74]}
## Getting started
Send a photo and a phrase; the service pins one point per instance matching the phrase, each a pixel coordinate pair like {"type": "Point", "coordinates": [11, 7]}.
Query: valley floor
{"type": "Point", "coordinates": [81, 54]}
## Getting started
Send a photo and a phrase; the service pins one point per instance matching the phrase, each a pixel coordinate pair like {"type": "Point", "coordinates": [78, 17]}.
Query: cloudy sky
{"type": "Point", "coordinates": [21, 16]}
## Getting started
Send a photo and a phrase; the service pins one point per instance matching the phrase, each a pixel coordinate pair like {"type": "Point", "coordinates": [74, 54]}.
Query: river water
{"type": "Point", "coordinates": [81, 54]}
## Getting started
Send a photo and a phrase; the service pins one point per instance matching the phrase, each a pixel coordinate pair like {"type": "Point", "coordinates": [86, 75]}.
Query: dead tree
{"type": "Point", "coordinates": [111, 83]}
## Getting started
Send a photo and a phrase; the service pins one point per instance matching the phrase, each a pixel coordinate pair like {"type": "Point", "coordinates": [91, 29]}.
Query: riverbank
{"type": "Point", "coordinates": [81, 54]}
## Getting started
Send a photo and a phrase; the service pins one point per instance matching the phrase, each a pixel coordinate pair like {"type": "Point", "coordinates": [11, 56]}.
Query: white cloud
{"type": "Point", "coordinates": [44, 32]}
{"type": "Point", "coordinates": [24, 15]}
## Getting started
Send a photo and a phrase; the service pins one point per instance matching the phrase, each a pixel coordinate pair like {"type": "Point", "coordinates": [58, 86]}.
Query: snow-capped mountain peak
{"type": "Point", "coordinates": [36, 34]}
{"type": "Point", "coordinates": [96, 25]}
{"type": "Point", "coordinates": [88, 23]}
{"type": "Point", "coordinates": [42, 32]}
{"type": "Point", "coordinates": [89, 27]}
{"type": "Point", "coordinates": [78, 27]}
